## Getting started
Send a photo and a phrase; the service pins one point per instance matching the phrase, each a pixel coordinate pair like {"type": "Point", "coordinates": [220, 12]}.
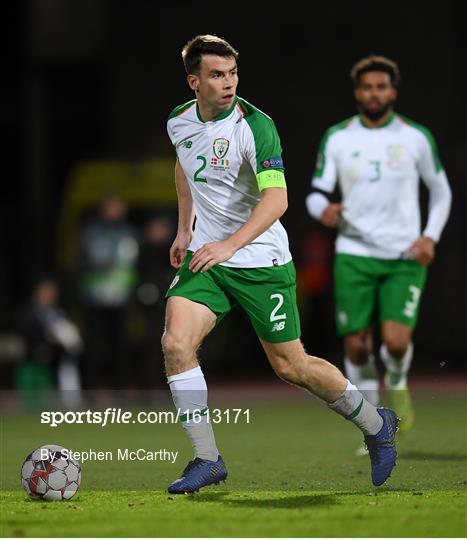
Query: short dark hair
{"type": "Point", "coordinates": [206, 44]}
{"type": "Point", "coordinates": [375, 63]}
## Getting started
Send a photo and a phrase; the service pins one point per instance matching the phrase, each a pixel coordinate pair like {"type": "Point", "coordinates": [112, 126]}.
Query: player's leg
{"type": "Point", "coordinates": [396, 351]}
{"type": "Point", "coordinates": [195, 303]}
{"type": "Point", "coordinates": [268, 297]}
{"type": "Point", "coordinates": [355, 286]}
{"type": "Point", "coordinates": [360, 366]}
{"type": "Point", "coordinates": [396, 354]}
{"type": "Point", "coordinates": [399, 300]}
{"type": "Point", "coordinates": [187, 324]}
{"type": "Point", "coordinates": [360, 369]}
{"type": "Point", "coordinates": [292, 364]}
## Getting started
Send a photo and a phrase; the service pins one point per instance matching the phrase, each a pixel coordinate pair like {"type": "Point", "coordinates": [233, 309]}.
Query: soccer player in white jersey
{"type": "Point", "coordinates": [230, 175]}
{"type": "Point", "coordinates": [377, 157]}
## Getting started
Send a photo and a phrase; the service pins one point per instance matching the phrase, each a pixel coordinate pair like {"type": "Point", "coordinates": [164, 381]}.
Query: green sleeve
{"type": "Point", "coordinates": [268, 151]}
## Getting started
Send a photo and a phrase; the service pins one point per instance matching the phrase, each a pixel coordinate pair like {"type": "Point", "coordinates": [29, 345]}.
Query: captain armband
{"type": "Point", "coordinates": [272, 178]}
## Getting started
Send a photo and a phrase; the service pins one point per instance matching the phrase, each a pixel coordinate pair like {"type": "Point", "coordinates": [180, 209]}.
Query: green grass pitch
{"type": "Point", "coordinates": [292, 472]}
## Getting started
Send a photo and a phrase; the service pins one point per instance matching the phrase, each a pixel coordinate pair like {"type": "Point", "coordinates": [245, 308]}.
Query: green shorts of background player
{"type": "Point", "coordinates": [386, 293]}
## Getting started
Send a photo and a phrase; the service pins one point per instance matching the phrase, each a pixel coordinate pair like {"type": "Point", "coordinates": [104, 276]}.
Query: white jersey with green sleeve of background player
{"type": "Point", "coordinates": [378, 172]}
{"type": "Point", "coordinates": [227, 163]}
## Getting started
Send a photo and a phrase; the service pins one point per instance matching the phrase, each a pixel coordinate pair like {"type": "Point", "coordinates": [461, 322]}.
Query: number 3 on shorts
{"type": "Point", "coordinates": [280, 300]}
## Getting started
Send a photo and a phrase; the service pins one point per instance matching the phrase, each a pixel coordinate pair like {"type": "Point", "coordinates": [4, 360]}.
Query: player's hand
{"type": "Point", "coordinates": [178, 249]}
{"type": "Point", "coordinates": [210, 254]}
{"type": "Point", "coordinates": [423, 250]}
{"type": "Point", "coordinates": [331, 215]}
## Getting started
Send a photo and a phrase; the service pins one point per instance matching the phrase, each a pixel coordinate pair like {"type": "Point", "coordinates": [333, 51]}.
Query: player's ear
{"type": "Point", "coordinates": [193, 82]}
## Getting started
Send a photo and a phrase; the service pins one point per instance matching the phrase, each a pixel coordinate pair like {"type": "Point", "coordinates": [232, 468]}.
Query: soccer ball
{"type": "Point", "coordinates": [49, 474]}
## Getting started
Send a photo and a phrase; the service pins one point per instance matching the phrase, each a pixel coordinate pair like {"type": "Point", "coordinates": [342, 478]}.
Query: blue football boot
{"type": "Point", "coordinates": [199, 473]}
{"type": "Point", "coordinates": [382, 447]}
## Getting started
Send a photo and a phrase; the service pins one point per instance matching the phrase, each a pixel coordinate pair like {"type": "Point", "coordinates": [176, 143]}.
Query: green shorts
{"type": "Point", "coordinates": [368, 290]}
{"type": "Point", "coordinates": [266, 295]}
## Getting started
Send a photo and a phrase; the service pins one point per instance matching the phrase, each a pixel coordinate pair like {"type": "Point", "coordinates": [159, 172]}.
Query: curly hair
{"type": "Point", "coordinates": [375, 63]}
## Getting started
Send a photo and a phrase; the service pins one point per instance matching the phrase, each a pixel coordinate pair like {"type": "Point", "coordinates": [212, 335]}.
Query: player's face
{"type": "Point", "coordinates": [216, 83]}
{"type": "Point", "coordinates": [375, 94]}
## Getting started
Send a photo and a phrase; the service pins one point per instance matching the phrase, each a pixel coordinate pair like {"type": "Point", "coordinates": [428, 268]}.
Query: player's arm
{"type": "Point", "coordinates": [262, 148]}
{"type": "Point", "coordinates": [322, 209]}
{"type": "Point", "coordinates": [271, 207]}
{"type": "Point", "coordinates": [186, 216]}
{"type": "Point", "coordinates": [323, 183]}
{"type": "Point", "coordinates": [434, 177]}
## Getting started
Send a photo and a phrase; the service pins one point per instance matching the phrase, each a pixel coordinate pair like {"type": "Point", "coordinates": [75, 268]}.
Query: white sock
{"type": "Point", "coordinates": [397, 368]}
{"type": "Point", "coordinates": [190, 395]}
{"type": "Point", "coordinates": [365, 378]}
{"type": "Point", "coordinates": [354, 407]}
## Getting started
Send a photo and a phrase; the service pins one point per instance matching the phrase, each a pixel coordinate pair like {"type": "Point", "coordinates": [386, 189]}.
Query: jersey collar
{"type": "Point", "coordinates": [220, 116]}
{"type": "Point", "coordinates": [388, 121]}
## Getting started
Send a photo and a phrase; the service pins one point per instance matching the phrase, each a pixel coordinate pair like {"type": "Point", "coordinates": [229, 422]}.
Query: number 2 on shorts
{"type": "Point", "coordinates": [280, 301]}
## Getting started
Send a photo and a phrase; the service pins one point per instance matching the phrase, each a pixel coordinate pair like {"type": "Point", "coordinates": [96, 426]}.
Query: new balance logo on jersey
{"type": "Point", "coordinates": [187, 144]}
{"type": "Point", "coordinates": [278, 326]}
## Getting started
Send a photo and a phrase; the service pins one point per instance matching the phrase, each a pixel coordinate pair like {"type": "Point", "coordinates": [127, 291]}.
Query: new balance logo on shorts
{"type": "Point", "coordinates": [176, 279]}
{"type": "Point", "coordinates": [278, 326]}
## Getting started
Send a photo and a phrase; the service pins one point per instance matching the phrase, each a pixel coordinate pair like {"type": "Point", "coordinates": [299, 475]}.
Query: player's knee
{"type": "Point", "coordinates": [355, 349]}
{"type": "Point", "coordinates": [174, 345]}
{"type": "Point", "coordinates": [286, 373]}
{"type": "Point", "coordinates": [284, 368]}
{"type": "Point", "coordinates": [396, 345]}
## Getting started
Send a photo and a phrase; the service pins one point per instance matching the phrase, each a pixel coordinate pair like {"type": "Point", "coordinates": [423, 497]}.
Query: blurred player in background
{"type": "Point", "coordinates": [229, 173]}
{"type": "Point", "coordinates": [54, 344]}
{"type": "Point", "coordinates": [155, 275]}
{"type": "Point", "coordinates": [106, 263]}
{"type": "Point", "coordinates": [377, 157]}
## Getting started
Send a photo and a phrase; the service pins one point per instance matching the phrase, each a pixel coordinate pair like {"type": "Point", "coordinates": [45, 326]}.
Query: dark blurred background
{"type": "Point", "coordinates": [85, 97]}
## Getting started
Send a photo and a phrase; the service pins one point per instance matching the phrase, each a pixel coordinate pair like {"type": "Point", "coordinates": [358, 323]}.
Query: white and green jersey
{"type": "Point", "coordinates": [227, 162]}
{"type": "Point", "coordinates": [378, 172]}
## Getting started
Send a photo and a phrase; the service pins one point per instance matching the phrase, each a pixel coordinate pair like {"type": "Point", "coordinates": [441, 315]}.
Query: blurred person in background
{"type": "Point", "coordinates": [378, 157]}
{"type": "Point", "coordinates": [53, 344]}
{"type": "Point", "coordinates": [154, 277]}
{"type": "Point", "coordinates": [107, 253]}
